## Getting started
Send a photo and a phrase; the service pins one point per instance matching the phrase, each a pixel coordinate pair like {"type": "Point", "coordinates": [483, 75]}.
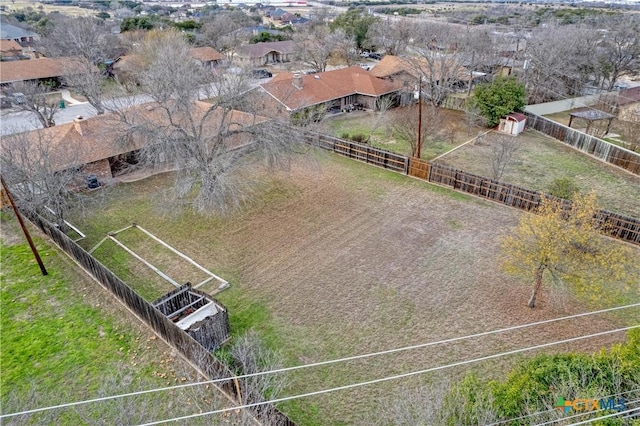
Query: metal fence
{"type": "Point", "coordinates": [596, 147]}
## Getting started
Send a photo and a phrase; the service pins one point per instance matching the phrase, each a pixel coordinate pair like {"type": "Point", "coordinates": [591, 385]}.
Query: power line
{"type": "Point", "coordinates": [322, 363]}
{"type": "Point", "coordinates": [388, 378]}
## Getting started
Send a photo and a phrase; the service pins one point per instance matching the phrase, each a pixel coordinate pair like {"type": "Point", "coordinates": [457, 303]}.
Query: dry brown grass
{"type": "Point", "coordinates": [539, 160]}
{"type": "Point", "coordinates": [350, 259]}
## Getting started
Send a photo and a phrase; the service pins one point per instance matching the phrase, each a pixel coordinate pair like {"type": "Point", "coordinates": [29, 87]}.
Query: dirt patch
{"type": "Point", "coordinates": [349, 272]}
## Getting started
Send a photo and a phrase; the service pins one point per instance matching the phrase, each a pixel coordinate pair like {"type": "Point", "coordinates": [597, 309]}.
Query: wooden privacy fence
{"type": "Point", "coordinates": [599, 148]}
{"type": "Point", "coordinates": [618, 226]}
{"type": "Point", "coordinates": [180, 340]}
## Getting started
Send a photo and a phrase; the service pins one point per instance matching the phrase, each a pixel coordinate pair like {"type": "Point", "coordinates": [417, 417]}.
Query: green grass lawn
{"type": "Point", "coordinates": [383, 137]}
{"type": "Point", "coordinates": [66, 339]}
{"type": "Point", "coordinates": [539, 160]}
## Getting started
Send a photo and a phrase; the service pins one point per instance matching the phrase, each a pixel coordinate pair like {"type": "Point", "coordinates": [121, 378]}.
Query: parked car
{"type": "Point", "coordinates": [261, 73]}
{"type": "Point", "coordinates": [365, 66]}
{"type": "Point", "coordinates": [375, 56]}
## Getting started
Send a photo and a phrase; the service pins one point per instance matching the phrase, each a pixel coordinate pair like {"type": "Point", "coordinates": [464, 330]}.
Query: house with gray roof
{"type": "Point", "coordinates": [266, 52]}
{"type": "Point", "coordinates": [17, 34]}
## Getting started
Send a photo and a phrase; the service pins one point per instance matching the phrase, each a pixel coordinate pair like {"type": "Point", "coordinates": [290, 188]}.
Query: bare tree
{"type": "Point", "coordinates": [41, 173]}
{"type": "Point", "coordinates": [90, 44]}
{"type": "Point", "coordinates": [392, 35]}
{"type": "Point", "coordinates": [343, 45]}
{"type": "Point", "coordinates": [503, 151]}
{"type": "Point", "coordinates": [438, 62]}
{"type": "Point", "coordinates": [207, 142]}
{"type": "Point", "coordinates": [35, 100]}
{"type": "Point", "coordinates": [223, 30]}
{"type": "Point", "coordinates": [618, 52]}
{"type": "Point", "coordinates": [251, 355]}
{"type": "Point", "coordinates": [314, 47]}
{"type": "Point", "coordinates": [404, 124]}
{"type": "Point", "coordinates": [560, 69]}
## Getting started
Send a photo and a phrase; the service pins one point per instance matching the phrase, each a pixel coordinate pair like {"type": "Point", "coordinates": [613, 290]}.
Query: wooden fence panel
{"type": "Point", "coordinates": [596, 147]}
{"type": "Point", "coordinates": [418, 168]}
{"type": "Point", "coordinates": [180, 340]}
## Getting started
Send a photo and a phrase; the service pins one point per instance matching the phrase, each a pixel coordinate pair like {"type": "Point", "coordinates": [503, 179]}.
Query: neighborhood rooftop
{"type": "Point", "coordinates": [307, 90]}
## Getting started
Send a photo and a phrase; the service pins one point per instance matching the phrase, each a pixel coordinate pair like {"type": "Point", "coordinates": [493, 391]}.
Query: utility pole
{"type": "Point", "coordinates": [419, 118]}
{"type": "Point", "coordinates": [24, 228]}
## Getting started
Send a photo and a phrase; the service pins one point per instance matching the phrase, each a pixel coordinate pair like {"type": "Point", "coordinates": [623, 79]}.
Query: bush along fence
{"type": "Point", "coordinates": [596, 147]}
{"type": "Point", "coordinates": [615, 225]}
{"type": "Point", "coordinates": [158, 318]}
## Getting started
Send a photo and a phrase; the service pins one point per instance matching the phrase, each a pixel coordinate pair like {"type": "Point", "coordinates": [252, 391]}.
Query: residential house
{"type": "Point", "coordinates": [275, 14]}
{"type": "Point", "coordinates": [266, 53]}
{"type": "Point", "coordinates": [104, 146]}
{"type": "Point", "coordinates": [126, 67]}
{"type": "Point", "coordinates": [10, 50]}
{"type": "Point", "coordinates": [337, 90]}
{"type": "Point", "coordinates": [208, 56]}
{"type": "Point", "coordinates": [36, 69]}
{"type": "Point", "coordinates": [17, 34]}
{"type": "Point", "coordinates": [442, 71]}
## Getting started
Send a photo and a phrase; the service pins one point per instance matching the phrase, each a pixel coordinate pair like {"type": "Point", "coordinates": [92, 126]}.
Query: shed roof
{"type": "Point", "coordinates": [516, 116]}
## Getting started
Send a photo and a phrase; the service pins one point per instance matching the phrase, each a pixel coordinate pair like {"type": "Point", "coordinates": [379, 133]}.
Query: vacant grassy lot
{"type": "Point", "coordinates": [539, 160]}
{"type": "Point", "coordinates": [65, 339]}
{"type": "Point", "coordinates": [344, 259]}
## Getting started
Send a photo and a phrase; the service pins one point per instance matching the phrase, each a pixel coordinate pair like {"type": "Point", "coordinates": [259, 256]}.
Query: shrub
{"type": "Point", "coordinates": [563, 187]}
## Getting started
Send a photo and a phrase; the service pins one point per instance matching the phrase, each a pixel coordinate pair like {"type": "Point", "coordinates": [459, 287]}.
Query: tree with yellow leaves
{"type": "Point", "coordinates": [566, 241]}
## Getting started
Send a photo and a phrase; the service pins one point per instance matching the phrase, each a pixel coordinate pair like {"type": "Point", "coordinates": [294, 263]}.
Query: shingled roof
{"type": "Point", "coordinates": [88, 140]}
{"type": "Point", "coordinates": [323, 87]}
{"type": "Point", "coordinates": [34, 69]}
{"type": "Point", "coordinates": [205, 54]}
{"type": "Point", "coordinates": [391, 66]}
{"type": "Point", "coordinates": [259, 50]}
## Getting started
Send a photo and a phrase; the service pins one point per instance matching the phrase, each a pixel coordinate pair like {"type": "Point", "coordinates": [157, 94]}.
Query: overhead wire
{"type": "Point", "coordinates": [328, 362]}
{"type": "Point", "coordinates": [388, 378]}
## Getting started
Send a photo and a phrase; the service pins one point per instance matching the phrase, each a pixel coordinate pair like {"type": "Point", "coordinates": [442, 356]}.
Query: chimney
{"type": "Point", "coordinates": [77, 120]}
{"type": "Point", "coordinates": [297, 80]}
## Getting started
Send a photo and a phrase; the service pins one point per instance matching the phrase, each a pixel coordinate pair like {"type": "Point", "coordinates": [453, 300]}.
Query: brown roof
{"type": "Point", "coordinates": [259, 50]}
{"type": "Point", "coordinates": [327, 86]}
{"type": "Point", "coordinates": [391, 66]}
{"type": "Point", "coordinates": [134, 61]}
{"type": "Point", "coordinates": [97, 138]}
{"type": "Point", "coordinates": [34, 69]}
{"type": "Point", "coordinates": [205, 54]}
{"type": "Point", "coordinates": [629, 96]}
{"type": "Point", "coordinates": [9, 47]}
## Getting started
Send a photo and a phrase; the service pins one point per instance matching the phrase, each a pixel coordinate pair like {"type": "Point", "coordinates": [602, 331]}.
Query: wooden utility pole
{"type": "Point", "coordinates": [419, 118]}
{"type": "Point", "coordinates": [24, 228]}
